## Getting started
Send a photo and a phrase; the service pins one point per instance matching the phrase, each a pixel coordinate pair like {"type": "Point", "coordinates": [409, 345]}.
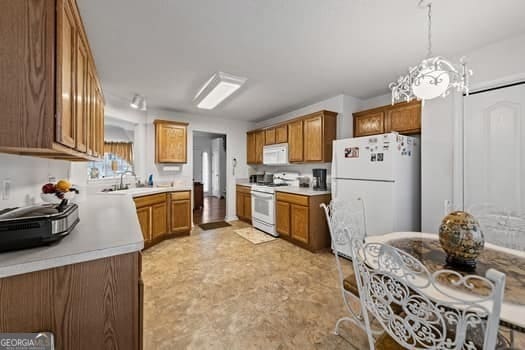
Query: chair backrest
{"type": "Point", "coordinates": [346, 220]}
{"type": "Point", "coordinates": [499, 226]}
{"type": "Point", "coordinates": [420, 310]}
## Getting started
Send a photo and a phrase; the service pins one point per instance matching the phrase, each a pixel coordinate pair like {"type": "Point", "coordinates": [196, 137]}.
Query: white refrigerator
{"type": "Point", "coordinates": [383, 170]}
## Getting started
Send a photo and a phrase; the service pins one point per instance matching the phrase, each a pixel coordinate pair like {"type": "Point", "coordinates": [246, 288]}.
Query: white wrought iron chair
{"type": "Point", "coordinates": [436, 314]}
{"type": "Point", "coordinates": [500, 226]}
{"type": "Point", "coordinates": [346, 219]}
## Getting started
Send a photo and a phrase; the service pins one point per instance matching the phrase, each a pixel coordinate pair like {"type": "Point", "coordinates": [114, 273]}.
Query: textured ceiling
{"type": "Point", "coordinates": [293, 52]}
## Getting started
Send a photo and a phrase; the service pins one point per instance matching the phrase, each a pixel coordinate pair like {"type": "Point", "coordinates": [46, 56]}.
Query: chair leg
{"type": "Point", "coordinates": [336, 330]}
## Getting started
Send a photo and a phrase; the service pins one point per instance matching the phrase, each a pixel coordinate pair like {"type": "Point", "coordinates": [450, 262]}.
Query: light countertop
{"type": "Point", "coordinates": [305, 191]}
{"type": "Point", "coordinates": [145, 191]}
{"type": "Point", "coordinates": [108, 226]}
{"type": "Point", "coordinates": [308, 191]}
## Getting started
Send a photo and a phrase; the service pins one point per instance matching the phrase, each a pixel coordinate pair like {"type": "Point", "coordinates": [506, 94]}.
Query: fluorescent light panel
{"type": "Point", "coordinates": [218, 88]}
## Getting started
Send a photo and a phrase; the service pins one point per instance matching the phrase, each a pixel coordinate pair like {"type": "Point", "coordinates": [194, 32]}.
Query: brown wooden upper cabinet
{"type": "Point", "coordinates": [281, 134]}
{"type": "Point", "coordinates": [250, 148]}
{"type": "Point", "coordinates": [171, 141]}
{"type": "Point", "coordinates": [309, 138]}
{"type": "Point", "coordinates": [295, 141]}
{"type": "Point", "coordinates": [404, 118]}
{"type": "Point", "coordinates": [255, 141]}
{"type": "Point", "coordinates": [259, 145]}
{"type": "Point", "coordinates": [269, 136]}
{"type": "Point", "coordinates": [277, 134]}
{"type": "Point", "coordinates": [49, 82]}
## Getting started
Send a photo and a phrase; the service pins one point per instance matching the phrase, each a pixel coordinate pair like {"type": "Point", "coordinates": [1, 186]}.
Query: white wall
{"type": "Point", "coordinates": [377, 101]}
{"type": "Point", "coordinates": [235, 131]}
{"type": "Point", "coordinates": [27, 175]}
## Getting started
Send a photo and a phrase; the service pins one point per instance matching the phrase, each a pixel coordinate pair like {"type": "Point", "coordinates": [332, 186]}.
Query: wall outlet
{"type": "Point", "coordinates": [6, 189]}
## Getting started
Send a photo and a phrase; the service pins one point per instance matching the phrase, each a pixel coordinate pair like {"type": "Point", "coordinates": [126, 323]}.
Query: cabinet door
{"type": "Point", "coordinates": [66, 33]}
{"type": "Point", "coordinates": [239, 204]}
{"type": "Point", "coordinates": [299, 223]}
{"type": "Point", "coordinates": [259, 144]}
{"type": "Point", "coordinates": [250, 148]}
{"type": "Point", "coordinates": [295, 141]}
{"type": "Point", "coordinates": [313, 133]}
{"type": "Point", "coordinates": [406, 119]}
{"type": "Point", "coordinates": [81, 94]}
{"type": "Point", "coordinates": [91, 118]}
{"type": "Point", "coordinates": [369, 124]}
{"type": "Point", "coordinates": [269, 136]}
{"type": "Point", "coordinates": [100, 122]}
{"type": "Point", "coordinates": [171, 143]}
{"type": "Point", "coordinates": [144, 215]}
{"type": "Point", "coordinates": [159, 219]}
{"type": "Point", "coordinates": [180, 216]}
{"type": "Point", "coordinates": [247, 203]}
{"type": "Point", "coordinates": [281, 134]}
{"type": "Point", "coordinates": [282, 221]}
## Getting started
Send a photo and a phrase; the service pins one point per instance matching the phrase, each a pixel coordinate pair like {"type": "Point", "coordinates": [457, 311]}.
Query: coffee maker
{"type": "Point", "coordinates": [319, 176]}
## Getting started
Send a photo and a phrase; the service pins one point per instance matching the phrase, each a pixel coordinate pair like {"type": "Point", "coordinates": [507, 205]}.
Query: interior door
{"type": "Point", "coordinates": [215, 167]}
{"type": "Point", "coordinates": [494, 149]}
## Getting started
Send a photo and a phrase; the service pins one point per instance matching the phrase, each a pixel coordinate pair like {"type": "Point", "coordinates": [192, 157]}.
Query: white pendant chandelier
{"type": "Point", "coordinates": [433, 77]}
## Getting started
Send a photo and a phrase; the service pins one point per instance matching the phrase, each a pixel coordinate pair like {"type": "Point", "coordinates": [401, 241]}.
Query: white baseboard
{"type": "Point", "coordinates": [231, 218]}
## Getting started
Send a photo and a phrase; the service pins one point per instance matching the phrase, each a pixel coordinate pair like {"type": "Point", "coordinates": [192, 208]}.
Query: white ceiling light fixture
{"type": "Point", "coordinates": [433, 77]}
{"type": "Point", "coordinates": [218, 88]}
{"type": "Point", "coordinates": [138, 102]}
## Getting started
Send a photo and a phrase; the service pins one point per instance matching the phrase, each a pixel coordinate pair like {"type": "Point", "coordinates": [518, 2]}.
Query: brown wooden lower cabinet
{"type": "Point", "coordinates": [164, 215]}
{"type": "Point", "coordinates": [90, 305]}
{"type": "Point", "coordinates": [180, 220]}
{"type": "Point", "coordinates": [159, 220]}
{"type": "Point", "coordinates": [300, 220]}
{"type": "Point", "coordinates": [282, 222]}
{"type": "Point", "coordinates": [243, 206]}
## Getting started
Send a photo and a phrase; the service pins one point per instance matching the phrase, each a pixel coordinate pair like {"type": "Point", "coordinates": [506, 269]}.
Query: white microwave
{"type": "Point", "coordinates": [275, 154]}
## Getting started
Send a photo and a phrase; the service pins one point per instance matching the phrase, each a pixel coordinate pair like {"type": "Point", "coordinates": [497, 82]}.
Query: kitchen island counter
{"type": "Point", "coordinates": [108, 227]}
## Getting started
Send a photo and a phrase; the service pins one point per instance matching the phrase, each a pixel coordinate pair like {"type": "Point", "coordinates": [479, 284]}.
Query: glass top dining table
{"type": "Point", "coordinates": [426, 248]}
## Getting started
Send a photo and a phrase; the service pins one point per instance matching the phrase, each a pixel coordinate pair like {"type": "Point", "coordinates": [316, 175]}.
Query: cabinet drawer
{"type": "Point", "coordinates": [176, 196]}
{"type": "Point", "coordinates": [292, 198]}
{"type": "Point", "coordinates": [243, 189]}
{"type": "Point", "coordinates": [149, 200]}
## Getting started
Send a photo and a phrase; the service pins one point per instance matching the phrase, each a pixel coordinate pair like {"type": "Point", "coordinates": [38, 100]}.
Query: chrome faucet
{"type": "Point", "coordinates": [121, 186]}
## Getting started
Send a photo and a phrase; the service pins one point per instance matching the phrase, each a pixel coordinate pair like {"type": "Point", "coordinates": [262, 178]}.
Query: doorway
{"type": "Point", "coordinates": [209, 177]}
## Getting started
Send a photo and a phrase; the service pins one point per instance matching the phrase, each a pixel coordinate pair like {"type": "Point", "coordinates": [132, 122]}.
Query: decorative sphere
{"type": "Point", "coordinates": [431, 83]}
{"type": "Point", "coordinates": [461, 238]}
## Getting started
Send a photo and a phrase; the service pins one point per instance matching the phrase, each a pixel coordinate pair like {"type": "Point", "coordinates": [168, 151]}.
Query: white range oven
{"type": "Point", "coordinates": [263, 209]}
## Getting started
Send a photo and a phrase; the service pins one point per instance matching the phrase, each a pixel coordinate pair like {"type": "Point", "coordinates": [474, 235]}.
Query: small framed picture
{"type": "Point", "coordinates": [352, 152]}
{"type": "Point", "coordinates": [380, 157]}
{"type": "Point", "coordinates": [373, 157]}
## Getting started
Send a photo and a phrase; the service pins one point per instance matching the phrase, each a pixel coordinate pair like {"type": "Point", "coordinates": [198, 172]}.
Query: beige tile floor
{"type": "Point", "coordinates": [216, 290]}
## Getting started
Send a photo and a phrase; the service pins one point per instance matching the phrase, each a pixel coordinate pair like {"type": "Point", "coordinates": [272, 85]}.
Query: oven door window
{"type": "Point", "coordinates": [262, 206]}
